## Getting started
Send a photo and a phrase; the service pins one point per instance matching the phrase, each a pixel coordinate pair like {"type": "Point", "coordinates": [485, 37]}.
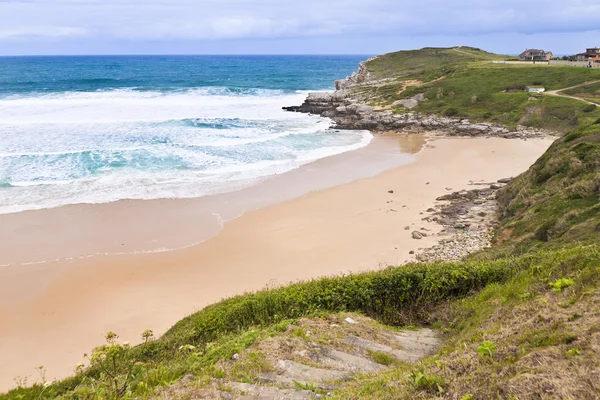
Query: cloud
{"type": "Point", "coordinates": [41, 32]}
{"type": "Point", "coordinates": [214, 20]}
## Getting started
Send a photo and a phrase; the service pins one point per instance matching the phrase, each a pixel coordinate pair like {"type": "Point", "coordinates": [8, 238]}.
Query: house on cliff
{"type": "Point", "coordinates": [535, 55]}
{"type": "Point", "coordinates": [591, 54]}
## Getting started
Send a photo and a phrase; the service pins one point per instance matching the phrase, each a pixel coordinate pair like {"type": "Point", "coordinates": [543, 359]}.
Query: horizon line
{"type": "Point", "coordinates": [183, 54]}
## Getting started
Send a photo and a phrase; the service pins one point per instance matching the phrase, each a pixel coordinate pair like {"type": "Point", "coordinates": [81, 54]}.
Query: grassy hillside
{"type": "Point", "coordinates": [465, 84]}
{"type": "Point", "coordinates": [589, 92]}
{"type": "Point", "coordinates": [426, 64]}
{"type": "Point", "coordinates": [519, 320]}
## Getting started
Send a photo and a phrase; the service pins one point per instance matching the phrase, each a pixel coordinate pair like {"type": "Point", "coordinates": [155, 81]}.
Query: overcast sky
{"type": "Point", "coordinates": [293, 27]}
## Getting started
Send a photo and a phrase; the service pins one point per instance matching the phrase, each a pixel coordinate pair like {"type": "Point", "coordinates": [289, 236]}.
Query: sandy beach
{"type": "Point", "coordinates": [52, 313]}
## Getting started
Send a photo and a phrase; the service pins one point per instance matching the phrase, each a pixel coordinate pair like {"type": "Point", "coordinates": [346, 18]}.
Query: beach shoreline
{"type": "Point", "coordinates": [53, 312]}
{"type": "Point", "coordinates": [79, 231]}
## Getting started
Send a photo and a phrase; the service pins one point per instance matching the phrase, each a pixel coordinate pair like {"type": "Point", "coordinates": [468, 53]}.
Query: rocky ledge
{"type": "Point", "coordinates": [468, 218]}
{"type": "Point", "coordinates": [348, 113]}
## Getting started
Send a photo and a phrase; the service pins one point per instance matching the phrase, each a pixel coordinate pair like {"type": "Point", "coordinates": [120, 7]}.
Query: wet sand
{"type": "Point", "coordinates": [54, 312]}
{"type": "Point", "coordinates": [138, 226]}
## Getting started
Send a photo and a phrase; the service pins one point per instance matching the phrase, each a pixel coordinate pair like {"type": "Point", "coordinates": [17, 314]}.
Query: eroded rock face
{"type": "Point", "coordinates": [357, 77]}
{"type": "Point", "coordinates": [347, 113]}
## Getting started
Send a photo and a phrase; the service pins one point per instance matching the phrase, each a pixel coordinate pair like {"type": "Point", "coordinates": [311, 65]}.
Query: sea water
{"type": "Point", "coordinates": [104, 128]}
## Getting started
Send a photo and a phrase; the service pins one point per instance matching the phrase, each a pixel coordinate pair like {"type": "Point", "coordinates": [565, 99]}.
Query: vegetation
{"type": "Point", "coordinates": [464, 83]}
{"type": "Point", "coordinates": [518, 319]}
{"type": "Point", "coordinates": [556, 200]}
{"type": "Point", "coordinates": [425, 64]}
{"type": "Point", "coordinates": [589, 92]}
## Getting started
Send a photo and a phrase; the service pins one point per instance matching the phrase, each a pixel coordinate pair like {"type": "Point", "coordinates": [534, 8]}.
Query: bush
{"type": "Point", "coordinates": [589, 108]}
{"type": "Point", "coordinates": [451, 112]}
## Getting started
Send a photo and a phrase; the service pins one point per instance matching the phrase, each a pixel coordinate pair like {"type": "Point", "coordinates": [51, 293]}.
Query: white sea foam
{"type": "Point", "coordinates": [96, 147]}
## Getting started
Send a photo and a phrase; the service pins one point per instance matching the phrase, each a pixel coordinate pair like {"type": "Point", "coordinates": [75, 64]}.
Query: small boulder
{"type": "Point", "coordinates": [417, 235]}
{"type": "Point", "coordinates": [406, 228]}
{"type": "Point", "coordinates": [391, 191]}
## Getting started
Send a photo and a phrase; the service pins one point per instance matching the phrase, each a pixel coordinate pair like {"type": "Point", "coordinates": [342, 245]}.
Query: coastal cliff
{"type": "Point", "coordinates": [457, 91]}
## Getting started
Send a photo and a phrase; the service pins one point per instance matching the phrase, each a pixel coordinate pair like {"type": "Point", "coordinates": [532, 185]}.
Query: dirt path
{"type": "Point", "coordinates": [462, 51]}
{"type": "Point", "coordinates": [559, 93]}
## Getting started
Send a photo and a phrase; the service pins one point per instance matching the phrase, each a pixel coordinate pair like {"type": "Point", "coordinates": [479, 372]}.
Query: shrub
{"type": "Point", "coordinates": [429, 383]}
{"type": "Point", "coordinates": [589, 108]}
{"type": "Point", "coordinates": [486, 349]}
{"type": "Point", "coordinates": [562, 284]}
{"type": "Point", "coordinates": [451, 112]}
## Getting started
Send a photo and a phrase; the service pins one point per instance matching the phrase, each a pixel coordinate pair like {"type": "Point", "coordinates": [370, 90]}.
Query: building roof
{"type": "Point", "coordinates": [534, 52]}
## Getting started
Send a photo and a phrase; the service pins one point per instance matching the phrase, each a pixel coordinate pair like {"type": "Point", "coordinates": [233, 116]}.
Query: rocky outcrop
{"type": "Point", "coordinates": [348, 113]}
{"type": "Point", "coordinates": [357, 77]}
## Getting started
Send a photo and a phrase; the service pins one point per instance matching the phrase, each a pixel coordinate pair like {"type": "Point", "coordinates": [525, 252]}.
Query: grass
{"type": "Point", "coordinates": [425, 64]}
{"type": "Point", "coordinates": [536, 346]}
{"type": "Point", "coordinates": [589, 92]}
{"type": "Point", "coordinates": [557, 200]}
{"type": "Point", "coordinates": [382, 358]}
{"type": "Point", "coordinates": [467, 85]}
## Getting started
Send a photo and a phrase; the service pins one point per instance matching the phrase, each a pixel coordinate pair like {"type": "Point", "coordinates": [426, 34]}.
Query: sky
{"type": "Point", "coordinates": [52, 27]}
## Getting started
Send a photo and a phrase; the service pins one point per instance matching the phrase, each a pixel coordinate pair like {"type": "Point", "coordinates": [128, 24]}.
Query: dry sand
{"type": "Point", "coordinates": [52, 313]}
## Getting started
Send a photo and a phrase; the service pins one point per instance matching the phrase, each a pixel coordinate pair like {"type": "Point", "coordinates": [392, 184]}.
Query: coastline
{"type": "Point", "coordinates": [71, 304]}
{"type": "Point", "coordinates": [78, 231]}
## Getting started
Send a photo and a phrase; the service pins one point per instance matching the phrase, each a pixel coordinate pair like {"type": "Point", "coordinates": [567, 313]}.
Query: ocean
{"type": "Point", "coordinates": [96, 129]}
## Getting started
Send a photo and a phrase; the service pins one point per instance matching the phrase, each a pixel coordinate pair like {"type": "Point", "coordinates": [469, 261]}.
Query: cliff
{"type": "Point", "coordinates": [456, 91]}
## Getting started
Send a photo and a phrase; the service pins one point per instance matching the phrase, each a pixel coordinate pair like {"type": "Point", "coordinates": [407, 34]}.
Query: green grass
{"type": "Point", "coordinates": [474, 88]}
{"type": "Point", "coordinates": [589, 92]}
{"type": "Point", "coordinates": [382, 358]}
{"type": "Point", "coordinates": [557, 200]}
{"type": "Point", "coordinates": [518, 336]}
{"type": "Point", "coordinates": [425, 64]}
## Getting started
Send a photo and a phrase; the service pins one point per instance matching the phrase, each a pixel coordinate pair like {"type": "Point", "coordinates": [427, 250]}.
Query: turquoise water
{"type": "Point", "coordinates": [100, 129]}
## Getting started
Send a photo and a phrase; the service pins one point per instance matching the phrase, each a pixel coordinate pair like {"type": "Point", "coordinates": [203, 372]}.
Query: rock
{"type": "Point", "coordinates": [348, 110]}
{"type": "Point", "coordinates": [494, 187]}
{"type": "Point", "coordinates": [235, 357]}
{"type": "Point", "coordinates": [505, 180]}
{"type": "Point", "coordinates": [186, 379]}
{"type": "Point", "coordinates": [430, 210]}
{"type": "Point", "coordinates": [390, 191]}
{"type": "Point", "coordinates": [411, 252]}
{"type": "Point", "coordinates": [417, 235]}
{"type": "Point", "coordinates": [406, 228]}
{"type": "Point", "coordinates": [350, 321]}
